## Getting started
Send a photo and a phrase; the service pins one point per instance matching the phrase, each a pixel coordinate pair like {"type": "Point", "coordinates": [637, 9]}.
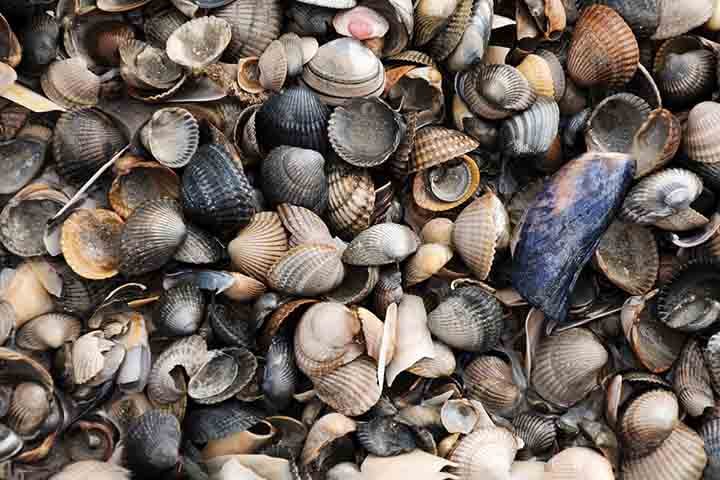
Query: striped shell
{"type": "Point", "coordinates": [253, 23]}
{"type": "Point", "coordinates": [351, 389]}
{"type": "Point", "coordinates": [681, 455]}
{"type": "Point", "coordinates": [295, 176]}
{"type": "Point", "coordinates": [532, 131]}
{"type": "Point", "coordinates": [434, 145]}
{"type": "Point", "coordinates": [259, 245]}
{"type": "Point", "coordinates": [351, 200]}
{"type": "Point", "coordinates": [700, 133]}
{"type": "Point", "coordinates": [489, 380]}
{"type": "Point", "coordinates": [381, 244]}
{"type": "Point", "coordinates": [307, 270]}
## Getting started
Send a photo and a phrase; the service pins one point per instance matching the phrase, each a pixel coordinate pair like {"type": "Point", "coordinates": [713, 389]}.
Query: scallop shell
{"type": "Point", "coordinates": [303, 225]}
{"type": "Point", "coordinates": [489, 380]}
{"type": "Point", "coordinates": [273, 66]}
{"type": "Point", "coordinates": [29, 408]}
{"type": "Point", "coordinates": [676, 19]}
{"type": "Point", "coordinates": [199, 42]}
{"type": "Point", "coordinates": [298, 51]}
{"type": "Point", "coordinates": [692, 380]}
{"type": "Point", "coordinates": [603, 49]}
{"type": "Point", "coordinates": [612, 125]}
{"type": "Point", "coordinates": [434, 145]}
{"type": "Point", "coordinates": [381, 244]}
{"type": "Point", "coordinates": [538, 432]}
{"type": "Point", "coordinates": [88, 356]}
{"type": "Point", "coordinates": [566, 366]}
{"type": "Point", "coordinates": [475, 235]}
{"type": "Point", "coordinates": [699, 133]}
{"type": "Point", "coordinates": [578, 462]}
{"type": "Point", "coordinates": [684, 78]}
{"type": "Point", "coordinates": [180, 310]}
{"type": "Point", "coordinates": [656, 142]}
{"type": "Point", "coordinates": [70, 84]}
{"type": "Point", "coordinates": [661, 195]}
{"type": "Point", "coordinates": [254, 24]}
{"type": "Point", "coordinates": [259, 245]}
{"type": "Point", "coordinates": [91, 243]}
{"type": "Point", "coordinates": [365, 132]}
{"type": "Point", "coordinates": [295, 176]}
{"type": "Point", "coordinates": [648, 420]}
{"type": "Point", "coordinates": [350, 389]}
{"type": "Point", "coordinates": [429, 259]}
{"type": "Point", "coordinates": [532, 131]}
{"type": "Point", "coordinates": [153, 442]}
{"type": "Point", "coordinates": [538, 73]}
{"type": "Point", "coordinates": [138, 181]}
{"type": "Point", "coordinates": [307, 270]}
{"type": "Point", "coordinates": [152, 235]}
{"type": "Point", "coordinates": [190, 353]}
{"type": "Point", "coordinates": [295, 118]}
{"type": "Point", "coordinates": [681, 455]}
{"type": "Point", "coordinates": [472, 453]}
{"type": "Point", "coordinates": [172, 136]}
{"type": "Point", "coordinates": [351, 200]}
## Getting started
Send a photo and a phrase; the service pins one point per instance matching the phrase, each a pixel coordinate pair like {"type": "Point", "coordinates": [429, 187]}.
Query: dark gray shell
{"type": "Point", "coordinates": [280, 375]}
{"type": "Point", "coordinates": [385, 437]}
{"type": "Point", "coordinates": [180, 310]}
{"type": "Point", "coordinates": [691, 300]}
{"type": "Point", "coordinates": [469, 319]}
{"type": "Point", "coordinates": [686, 78]}
{"type": "Point", "coordinates": [230, 326]}
{"type": "Point", "coordinates": [295, 176]}
{"type": "Point", "coordinates": [218, 421]}
{"type": "Point", "coordinates": [22, 158]}
{"type": "Point", "coordinates": [246, 368]}
{"type": "Point", "coordinates": [537, 431]}
{"type": "Point", "coordinates": [153, 442]}
{"type": "Point", "coordinates": [215, 192]}
{"type": "Point", "coordinates": [199, 248]}
{"type": "Point", "coordinates": [642, 16]}
{"type": "Point", "coordinates": [10, 443]}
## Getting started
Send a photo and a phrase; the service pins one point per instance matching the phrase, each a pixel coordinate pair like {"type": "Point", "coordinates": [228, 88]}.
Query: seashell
{"type": "Point", "coordinates": [384, 437]}
{"type": "Point", "coordinates": [351, 389]}
{"type": "Point", "coordinates": [474, 41]}
{"type": "Point", "coordinates": [475, 235]}
{"type": "Point", "coordinates": [698, 135]}
{"type": "Point", "coordinates": [351, 200]}
{"type": "Point", "coordinates": [199, 248]}
{"type": "Point", "coordinates": [215, 192]}
{"type": "Point", "coordinates": [449, 37]}
{"type": "Point", "coordinates": [160, 26]}
{"type": "Point", "coordinates": [211, 428]}
{"type": "Point", "coordinates": [566, 366]}
{"type": "Point", "coordinates": [199, 42]}
{"type": "Point", "coordinates": [495, 91]}
{"type": "Point", "coordinates": [138, 181]}
{"type": "Point", "coordinates": [90, 243]}
{"type": "Point", "coordinates": [538, 432]}
{"type": "Point", "coordinates": [7, 325]}
{"type": "Point", "coordinates": [429, 259]}
{"type": "Point", "coordinates": [307, 270]}
{"type": "Point", "coordinates": [681, 455]}
{"type": "Point", "coordinates": [688, 301]}
{"type": "Point", "coordinates": [472, 452]}
{"type": "Point", "coordinates": [578, 462]}
{"type": "Point", "coordinates": [413, 340]}
{"type": "Point", "coordinates": [303, 225]}
{"type": "Point", "coordinates": [11, 48]}
{"type": "Point", "coordinates": [381, 244]}
{"type": "Point", "coordinates": [70, 84]}
{"type": "Point", "coordinates": [241, 287]}
{"type": "Point", "coordinates": [539, 74]}
{"type": "Point", "coordinates": [603, 49]}
{"type": "Point", "coordinates": [88, 356]}
{"type": "Point", "coordinates": [48, 332]}
{"type": "Point", "coordinates": [357, 285]}
{"type": "Point", "coordinates": [438, 230]}
{"type": "Point", "coordinates": [120, 5]}
{"type": "Point", "coordinates": [709, 434]}
{"type": "Point", "coordinates": [224, 374]}
{"type": "Point", "coordinates": [11, 443]}
{"type": "Point", "coordinates": [612, 125]}
{"type": "Point", "coordinates": [96, 39]}
{"type": "Point", "coordinates": [25, 294]}
{"type": "Point", "coordinates": [92, 469]}
{"type": "Point", "coordinates": [431, 16]}
{"type": "Point", "coordinates": [190, 353]}
{"type": "Point", "coordinates": [153, 442]}
{"type": "Point", "coordinates": [326, 430]}
{"type": "Point", "coordinates": [180, 310]}
{"type": "Point", "coordinates": [83, 141]}
{"type": "Point", "coordinates": [230, 325]}
{"type": "Point", "coordinates": [295, 118]}
{"type": "Point", "coordinates": [361, 23]}
{"type": "Point", "coordinates": [683, 221]}
{"type": "Point", "coordinates": [447, 185]}
{"type": "Point", "coordinates": [297, 51]}
{"type": "Point", "coordinates": [539, 231]}
{"type": "Point", "coordinates": [684, 78]}
{"type": "Point", "coordinates": [343, 69]}
{"type": "Point", "coordinates": [172, 136]}
{"type": "Point", "coordinates": [248, 76]}
{"type": "Point", "coordinates": [679, 19]}
{"type": "Point", "coordinates": [468, 319]}
{"type": "Point", "coordinates": [642, 17]}
{"type": "Point", "coordinates": [648, 420]}
{"type": "Point", "coordinates": [318, 353]}
{"type": "Point", "coordinates": [661, 195]}
{"type": "Point", "coordinates": [152, 235]}
{"type": "Point", "coordinates": [295, 176]}
{"type": "Point", "coordinates": [388, 289]}
{"type": "Point", "coordinates": [273, 66]}
{"type": "Point", "coordinates": [365, 132]}
{"type": "Point", "coordinates": [29, 408]}
{"type": "Point", "coordinates": [254, 24]}
{"type": "Point", "coordinates": [489, 380]}
{"type": "Point", "coordinates": [23, 157]}
{"type": "Point", "coordinates": [656, 142]}
{"type": "Point", "coordinates": [692, 380]}
{"type": "Point", "coordinates": [435, 145]}
{"type": "Point", "coordinates": [532, 131]}
{"type": "Point", "coordinates": [259, 245]}
{"type": "Point", "coordinates": [280, 376]}
{"type": "Point", "coordinates": [149, 71]}
{"type": "Point", "coordinates": [628, 256]}
{"type": "Point", "coordinates": [442, 364]}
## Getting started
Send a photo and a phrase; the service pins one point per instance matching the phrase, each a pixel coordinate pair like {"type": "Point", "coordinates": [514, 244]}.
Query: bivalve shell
{"type": "Point", "coordinates": [180, 310]}
{"type": "Point", "coordinates": [48, 332]}
{"type": "Point", "coordinates": [307, 270]}
{"type": "Point", "coordinates": [700, 133]}
{"type": "Point", "coordinates": [199, 42]}
{"type": "Point", "coordinates": [661, 195]}
{"type": "Point", "coordinates": [153, 442]}
{"type": "Point", "coordinates": [259, 245]}
{"type": "Point", "coordinates": [351, 389]}
{"type": "Point", "coordinates": [351, 200]}
{"type": "Point", "coordinates": [648, 420]}
{"type": "Point", "coordinates": [533, 131]}
{"type": "Point", "coordinates": [295, 176]}
{"type": "Point", "coordinates": [677, 19]}
{"type": "Point", "coordinates": [614, 122]}
{"type": "Point", "coordinates": [90, 243]}
{"type": "Point", "coordinates": [172, 136]}
{"type": "Point", "coordinates": [681, 455]}
{"type": "Point", "coordinates": [381, 244]}
{"type": "Point", "coordinates": [692, 380]}
{"type": "Point", "coordinates": [489, 380]}
{"type": "Point", "coordinates": [473, 452]}
{"type": "Point", "coordinates": [434, 145]}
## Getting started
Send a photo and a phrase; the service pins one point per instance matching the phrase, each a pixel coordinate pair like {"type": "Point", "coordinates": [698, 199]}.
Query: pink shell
{"type": "Point", "coordinates": [361, 23]}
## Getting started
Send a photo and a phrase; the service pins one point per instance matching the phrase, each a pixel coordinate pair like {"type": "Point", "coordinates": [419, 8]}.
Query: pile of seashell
{"type": "Point", "coordinates": [359, 239]}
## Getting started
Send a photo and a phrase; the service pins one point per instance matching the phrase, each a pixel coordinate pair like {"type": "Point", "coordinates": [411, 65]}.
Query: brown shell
{"type": "Point", "coordinates": [70, 84]}
{"type": "Point", "coordinates": [91, 243]}
{"type": "Point", "coordinates": [434, 145]}
{"type": "Point", "coordinates": [475, 236]}
{"type": "Point", "coordinates": [259, 245]}
{"type": "Point", "coordinates": [199, 42]}
{"type": "Point", "coordinates": [656, 142]}
{"type": "Point", "coordinates": [273, 66]}
{"type": "Point", "coordinates": [254, 24]}
{"type": "Point", "coordinates": [692, 380]}
{"type": "Point", "coordinates": [700, 133]}
{"type": "Point", "coordinates": [351, 389]}
{"type": "Point", "coordinates": [489, 380]}
{"type": "Point", "coordinates": [29, 407]}
{"type": "Point", "coordinates": [648, 420]}
{"type": "Point", "coordinates": [138, 181]}
{"type": "Point", "coordinates": [307, 270]}
{"type": "Point", "coordinates": [441, 365]}
{"type": "Point", "coordinates": [428, 260]}
{"type": "Point", "coordinates": [471, 453]}
{"type": "Point", "coordinates": [422, 184]}
{"type": "Point", "coordinates": [248, 76]}
{"type": "Point", "coordinates": [351, 200]}
{"type": "Point", "coordinates": [303, 225]}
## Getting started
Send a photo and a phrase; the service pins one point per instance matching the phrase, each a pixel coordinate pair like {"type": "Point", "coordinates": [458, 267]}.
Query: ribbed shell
{"type": "Point", "coordinates": [429, 259]}
{"type": "Point", "coordinates": [434, 145]}
{"type": "Point", "coordinates": [29, 407]}
{"type": "Point", "coordinates": [159, 27]}
{"type": "Point", "coordinates": [215, 192]}
{"type": "Point", "coordinates": [351, 389]}
{"type": "Point", "coordinates": [566, 366]}
{"type": "Point", "coordinates": [88, 356]}
{"type": "Point", "coordinates": [579, 462]}
{"type": "Point", "coordinates": [614, 121]}
{"type": "Point", "coordinates": [648, 420]}
{"type": "Point", "coordinates": [92, 469]}
{"type": "Point", "coordinates": [273, 66]}
{"type": "Point", "coordinates": [280, 375]}
{"type": "Point", "coordinates": [70, 84]}
{"type": "Point", "coordinates": [83, 141]}
{"type": "Point", "coordinates": [180, 310]}
{"type": "Point", "coordinates": [681, 455]}
{"type": "Point", "coordinates": [230, 326]}
{"type": "Point", "coordinates": [7, 324]}
{"type": "Point", "coordinates": [474, 236]}
{"type": "Point", "coordinates": [307, 270]}
{"type": "Point", "coordinates": [388, 289]}
{"type": "Point", "coordinates": [351, 200]}
{"type": "Point", "coordinates": [48, 332]}
{"type": "Point", "coordinates": [688, 301]}
{"type": "Point", "coordinates": [537, 72]}
{"type": "Point", "coordinates": [381, 244]}
{"type": "Point", "coordinates": [199, 248]}
{"type": "Point", "coordinates": [661, 195]}
{"type": "Point", "coordinates": [603, 49]}
{"type": "Point", "coordinates": [710, 433]}
{"type": "Point", "coordinates": [488, 379]}
{"type": "Point", "coordinates": [90, 242]}
{"type": "Point", "coordinates": [677, 18]}
{"type": "Point", "coordinates": [296, 176]}
{"type": "Point", "coordinates": [190, 353]}
{"type": "Point", "coordinates": [485, 453]}
{"type": "Point", "coordinates": [495, 91]}
{"type": "Point", "coordinates": [656, 142]}
{"type": "Point", "coordinates": [294, 117]}
{"type": "Point", "coordinates": [692, 380]}
{"type": "Point", "coordinates": [468, 319]}
{"type": "Point", "coordinates": [357, 285]}
{"type": "Point", "coordinates": [303, 225]}
{"type": "Point", "coordinates": [447, 39]}
{"type": "Point", "coordinates": [711, 354]}
{"type": "Point", "coordinates": [532, 131]}
{"type": "Point", "coordinates": [152, 235]}
{"type": "Point", "coordinates": [441, 365]}
{"type": "Point", "coordinates": [153, 442]}
{"type": "Point", "coordinates": [685, 78]}
{"type": "Point", "coordinates": [701, 132]}
{"type": "Point", "coordinates": [538, 432]}
{"type": "Point", "coordinates": [219, 421]}
{"type": "Point", "coordinates": [642, 16]}
{"type": "Point", "coordinates": [385, 437]}
{"type": "Point", "coordinates": [224, 375]}
{"type": "Point", "coordinates": [259, 245]}
{"type": "Point", "coordinates": [171, 136]}
{"type": "Point", "coordinates": [254, 24]}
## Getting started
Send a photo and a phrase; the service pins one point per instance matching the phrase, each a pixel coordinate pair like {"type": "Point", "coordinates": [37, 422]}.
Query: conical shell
{"type": "Point", "coordinates": [351, 200]}
{"type": "Point", "coordinates": [539, 432]}
{"type": "Point", "coordinates": [661, 195]}
{"type": "Point", "coordinates": [603, 49]}
{"type": "Point", "coordinates": [351, 389]}
{"type": "Point", "coordinates": [578, 462]}
{"type": "Point", "coordinates": [303, 225]}
{"type": "Point", "coordinates": [532, 131]}
{"type": "Point", "coordinates": [681, 455]}
{"type": "Point", "coordinates": [90, 243]}
{"type": "Point", "coordinates": [488, 379]}
{"type": "Point", "coordinates": [475, 235]}
{"type": "Point", "coordinates": [485, 453]}
{"type": "Point", "coordinates": [273, 66]}
{"type": "Point", "coordinates": [648, 420]}
{"type": "Point", "coordinates": [153, 442]}
{"type": "Point", "coordinates": [295, 176]}
{"type": "Point", "coordinates": [612, 125]}
{"type": "Point", "coordinates": [180, 310]}
{"type": "Point", "coordinates": [151, 236]}
{"type": "Point", "coordinates": [199, 42]}
{"type": "Point", "coordinates": [254, 24]}
{"type": "Point", "coordinates": [382, 244]}
{"type": "Point", "coordinates": [676, 19]}
{"type": "Point", "coordinates": [172, 136]}
{"type": "Point", "coordinates": [190, 353]}
{"type": "Point", "coordinates": [699, 136]}
{"type": "Point", "coordinates": [70, 84]}
{"type": "Point", "coordinates": [259, 245]}
{"type": "Point", "coordinates": [566, 366]}
{"type": "Point", "coordinates": [307, 270]}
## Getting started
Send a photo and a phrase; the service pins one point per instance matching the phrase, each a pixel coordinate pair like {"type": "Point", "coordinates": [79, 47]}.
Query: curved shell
{"type": "Point", "coordinates": [603, 49]}
{"type": "Point", "coordinates": [681, 455]}
{"type": "Point", "coordinates": [172, 136]}
{"type": "Point", "coordinates": [689, 300]}
{"type": "Point", "coordinates": [153, 442]}
{"type": "Point", "coordinates": [656, 142]}
{"type": "Point", "coordinates": [539, 432]}
{"type": "Point", "coordinates": [495, 91]}
{"type": "Point", "coordinates": [327, 429]}
{"type": "Point", "coordinates": [434, 145]}
{"type": "Point", "coordinates": [443, 364]}
{"type": "Point", "coordinates": [475, 235]}
{"type": "Point", "coordinates": [361, 23]}
{"type": "Point", "coordinates": [90, 243]}
{"type": "Point", "coordinates": [381, 244]}
{"type": "Point", "coordinates": [473, 452]}
{"type": "Point", "coordinates": [229, 325]}
{"type": "Point", "coordinates": [357, 285]}
{"type": "Point", "coordinates": [542, 76]}
{"type": "Point", "coordinates": [70, 84]}
{"type": "Point", "coordinates": [612, 125]}
{"type": "Point", "coordinates": [579, 462]}
{"type": "Point", "coordinates": [642, 16]}
{"type": "Point", "coordinates": [303, 225]}
{"type": "Point", "coordinates": [384, 437]}
{"type": "Point", "coordinates": [692, 380]}
{"type": "Point", "coordinates": [684, 78]}
{"type": "Point", "coordinates": [225, 373]}
{"type": "Point", "coordinates": [280, 376]}
{"type": "Point", "coordinates": [351, 200]}
{"type": "Point", "coordinates": [351, 389]}
{"type": "Point", "coordinates": [259, 245]}
{"type": "Point", "coordinates": [648, 420]}
{"type": "Point", "coordinates": [138, 181]}
{"type": "Point", "coordinates": [295, 176]}
{"type": "Point", "coordinates": [29, 407]}
{"type": "Point", "coordinates": [699, 136]}
{"type": "Point", "coordinates": [428, 260]}
{"type": "Point", "coordinates": [532, 131]}
{"type": "Point", "coordinates": [248, 76]}
{"type": "Point", "coordinates": [254, 24]}
{"type": "Point", "coordinates": [489, 380]}
{"type": "Point", "coordinates": [199, 248]}
{"type": "Point", "coordinates": [447, 39]}
{"type": "Point", "coordinates": [661, 195]}
{"type": "Point", "coordinates": [474, 41]}
{"type": "Point", "coordinates": [307, 270]}
{"type": "Point", "coordinates": [88, 356]}
{"type": "Point", "coordinates": [148, 69]}
{"type": "Point", "coordinates": [180, 310]}
{"type": "Point", "coordinates": [92, 469]}
{"type": "Point", "coordinates": [190, 353]}
{"type": "Point", "coordinates": [447, 185]}
{"type": "Point", "coordinates": [23, 157]}
{"type": "Point", "coordinates": [273, 66]}
{"type": "Point", "coordinates": [676, 19]}
{"type": "Point", "coordinates": [199, 42]}
{"type": "Point", "coordinates": [48, 332]}
{"type": "Point", "coordinates": [566, 366]}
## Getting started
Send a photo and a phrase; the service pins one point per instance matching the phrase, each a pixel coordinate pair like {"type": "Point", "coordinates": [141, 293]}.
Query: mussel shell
{"type": "Point", "coordinates": [23, 157]}
{"type": "Point", "coordinates": [307, 270]}
{"type": "Point", "coordinates": [700, 133]}
{"type": "Point", "coordinates": [381, 244]}
{"type": "Point", "coordinates": [295, 176]}
{"type": "Point", "coordinates": [215, 192]}
{"type": "Point", "coordinates": [612, 125]}
{"type": "Point", "coordinates": [180, 310]}
{"type": "Point", "coordinates": [385, 437]}
{"type": "Point", "coordinates": [254, 24]}
{"type": "Point", "coordinates": [547, 280]}
{"type": "Point", "coordinates": [532, 131]}
{"type": "Point", "coordinates": [153, 442]}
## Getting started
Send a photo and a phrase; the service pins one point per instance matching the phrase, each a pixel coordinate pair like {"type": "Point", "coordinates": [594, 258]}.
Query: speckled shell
{"type": "Point", "coordinates": [566, 366]}
{"type": "Point", "coordinates": [434, 145]}
{"type": "Point", "coordinates": [567, 217]}
{"type": "Point", "coordinates": [381, 244]}
{"type": "Point", "coordinates": [603, 49]}
{"type": "Point", "coordinates": [681, 455]}
{"type": "Point", "coordinates": [532, 131]}
{"type": "Point", "coordinates": [153, 442]}
{"type": "Point", "coordinates": [90, 242]}
{"type": "Point", "coordinates": [489, 380]}
{"type": "Point", "coordinates": [661, 195]}
{"type": "Point", "coordinates": [351, 389]}
{"type": "Point", "coordinates": [260, 244]}
{"type": "Point", "coordinates": [614, 121]}
{"type": "Point", "coordinates": [351, 200]}
{"type": "Point", "coordinates": [295, 176]}
{"type": "Point", "coordinates": [307, 270]}
{"type": "Point", "coordinates": [700, 133]}
{"type": "Point", "coordinates": [180, 310]}
{"type": "Point", "coordinates": [254, 24]}
{"type": "Point", "coordinates": [648, 420]}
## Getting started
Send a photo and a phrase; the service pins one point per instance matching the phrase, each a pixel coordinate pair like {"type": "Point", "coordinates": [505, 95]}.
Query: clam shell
{"type": "Point", "coordinates": [475, 235]}
{"type": "Point", "coordinates": [180, 310]}
{"type": "Point", "coordinates": [612, 125]}
{"type": "Point", "coordinates": [489, 380]}
{"type": "Point", "coordinates": [447, 39]}
{"type": "Point", "coordinates": [648, 420]}
{"type": "Point", "coordinates": [159, 27]}
{"type": "Point", "coordinates": [692, 380]}
{"type": "Point", "coordinates": [120, 5]}
{"type": "Point", "coordinates": [642, 17]}
{"type": "Point", "coordinates": [303, 225]}
{"type": "Point", "coordinates": [676, 19]}
{"type": "Point", "coordinates": [190, 353]}
{"type": "Point", "coordinates": [83, 141]}
{"type": "Point", "coordinates": [472, 453]}
{"type": "Point", "coordinates": [148, 68]}
{"type": "Point", "coordinates": [295, 118]}
{"type": "Point", "coordinates": [447, 185]}
{"type": "Point", "coordinates": [70, 84]}
{"type": "Point", "coordinates": [365, 132]}
{"type": "Point", "coordinates": [357, 285]}
{"type": "Point", "coordinates": [225, 373]}
{"type": "Point", "coordinates": [474, 41]}
{"type": "Point", "coordinates": [23, 157]}
{"type": "Point", "coordinates": [709, 433]}
{"type": "Point", "coordinates": [215, 192]}
{"type": "Point", "coordinates": [295, 176]}
{"type": "Point", "coordinates": [199, 248]}
{"type": "Point", "coordinates": [90, 243]}
{"type": "Point", "coordinates": [209, 425]}
{"type": "Point", "coordinates": [688, 302]}
{"type": "Point", "coordinates": [656, 142]}
{"type": "Point", "coordinates": [661, 195]}
{"type": "Point", "coordinates": [495, 91]}
{"type": "Point", "coordinates": [429, 259]}
{"type": "Point", "coordinates": [388, 289]}
{"type": "Point", "coordinates": [172, 136]}
{"type": "Point", "coordinates": [361, 23]}
{"type": "Point", "coordinates": [88, 356]}
{"type": "Point", "coordinates": [138, 181]}
{"type": "Point", "coordinates": [29, 408]}
{"type": "Point", "coordinates": [699, 133]}
{"type": "Point", "coordinates": [413, 340]}
{"type": "Point", "coordinates": [603, 49]}
{"type": "Point", "coordinates": [381, 244]}
{"type": "Point", "coordinates": [152, 235]}
{"type": "Point", "coordinates": [384, 437]}
{"type": "Point", "coordinates": [681, 455]}
{"type": "Point", "coordinates": [468, 319]}
{"type": "Point", "coordinates": [327, 429]}
{"type": "Point", "coordinates": [351, 200]}
{"type": "Point", "coordinates": [298, 52]}
{"type": "Point", "coordinates": [538, 432]}
{"type": "Point", "coordinates": [532, 131]}
{"type": "Point", "coordinates": [566, 366]}
{"type": "Point", "coordinates": [307, 270]}
{"type": "Point", "coordinates": [431, 16]}
{"type": "Point", "coordinates": [92, 469]}
{"type": "Point", "coordinates": [153, 442]}
{"type": "Point", "coordinates": [578, 462]}
{"type": "Point", "coordinates": [351, 389]}
{"type": "Point", "coordinates": [199, 42]}
{"type": "Point", "coordinates": [259, 245]}
{"type": "Point", "coordinates": [435, 145]}
{"type": "Point", "coordinates": [538, 73]}
{"type": "Point", "coordinates": [7, 325]}
{"type": "Point", "coordinates": [443, 364]}
{"type": "Point", "coordinates": [280, 376]}
{"type": "Point", "coordinates": [684, 78]}
{"type": "Point", "coordinates": [254, 24]}
{"type": "Point", "coordinates": [12, 444]}
{"type": "Point", "coordinates": [248, 76]}
{"type": "Point", "coordinates": [273, 66]}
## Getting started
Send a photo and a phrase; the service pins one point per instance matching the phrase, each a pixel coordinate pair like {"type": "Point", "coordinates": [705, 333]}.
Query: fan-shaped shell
{"type": "Point", "coordinates": [384, 437]}
{"type": "Point", "coordinates": [539, 432]}
{"type": "Point", "coordinates": [692, 380]}
{"type": "Point", "coordinates": [295, 176]}
{"type": "Point", "coordinates": [447, 39]}
{"type": "Point", "coordinates": [254, 24]}
{"type": "Point", "coordinates": [88, 356]}
{"type": "Point", "coordinates": [307, 270]}
{"type": "Point", "coordinates": [476, 234]}
{"type": "Point", "coordinates": [661, 195]}
{"type": "Point", "coordinates": [303, 225]}
{"type": "Point", "coordinates": [351, 200]}
{"type": "Point", "coordinates": [485, 453]}
{"type": "Point", "coordinates": [681, 455]}
{"type": "Point", "coordinates": [153, 442]}
{"type": "Point", "coordinates": [199, 42]}
{"type": "Point", "coordinates": [382, 244]}
{"type": "Point", "coordinates": [138, 181]}
{"type": "Point", "coordinates": [648, 420]}
{"type": "Point", "coordinates": [495, 91]}
{"type": "Point", "coordinates": [612, 125]}
{"type": "Point", "coordinates": [684, 78]}
{"type": "Point", "coordinates": [699, 137]}
{"type": "Point", "coordinates": [676, 19]}
{"type": "Point", "coordinates": [70, 84]}
{"type": "Point", "coordinates": [172, 136]}
{"type": "Point", "coordinates": [351, 389]}
{"type": "Point", "coordinates": [434, 145]}
{"type": "Point", "coordinates": [273, 66]}
{"type": "Point", "coordinates": [656, 142]}
{"type": "Point", "coordinates": [532, 131]}
{"type": "Point", "coordinates": [259, 245]}
{"type": "Point", "coordinates": [29, 407]}
{"type": "Point", "coordinates": [429, 259]}
{"type": "Point", "coordinates": [488, 379]}
{"type": "Point", "coordinates": [578, 462]}
{"type": "Point", "coordinates": [537, 70]}
{"type": "Point", "coordinates": [180, 310]}
{"type": "Point", "coordinates": [190, 353]}
{"type": "Point", "coordinates": [90, 243]}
